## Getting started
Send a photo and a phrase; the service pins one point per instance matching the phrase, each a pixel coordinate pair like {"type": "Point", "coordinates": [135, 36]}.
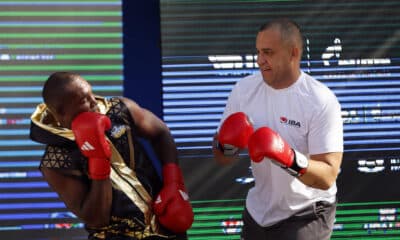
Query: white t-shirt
{"type": "Point", "coordinates": [308, 116]}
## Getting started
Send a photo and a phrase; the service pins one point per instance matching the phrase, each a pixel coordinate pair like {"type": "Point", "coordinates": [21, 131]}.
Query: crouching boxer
{"type": "Point", "coordinates": [95, 162]}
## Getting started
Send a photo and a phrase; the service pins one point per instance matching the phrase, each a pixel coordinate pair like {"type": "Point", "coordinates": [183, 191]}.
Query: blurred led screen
{"type": "Point", "coordinates": [38, 38]}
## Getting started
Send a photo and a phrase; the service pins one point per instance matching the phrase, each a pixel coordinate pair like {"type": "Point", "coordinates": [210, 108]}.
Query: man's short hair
{"type": "Point", "coordinates": [289, 29]}
{"type": "Point", "coordinates": [54, 89]}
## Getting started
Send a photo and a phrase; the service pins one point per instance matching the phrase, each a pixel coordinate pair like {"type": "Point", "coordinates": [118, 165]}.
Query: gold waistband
{"type": "Point", "coordinates": [125, 227]}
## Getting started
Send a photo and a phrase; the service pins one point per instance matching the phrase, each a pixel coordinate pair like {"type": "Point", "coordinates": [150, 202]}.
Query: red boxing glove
{"type": "Point", "coordinates": [172, 206]}
{"type": "Point", "coordinates": [89, 128]}
{"type": "Point", "coordinates": [234, 133]}
{"type": "Point", "coordinates": [266, 143]}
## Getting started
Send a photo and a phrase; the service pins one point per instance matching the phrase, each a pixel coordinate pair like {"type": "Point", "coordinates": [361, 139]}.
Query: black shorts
{"type": "Point", "coordinates": [312, 223]}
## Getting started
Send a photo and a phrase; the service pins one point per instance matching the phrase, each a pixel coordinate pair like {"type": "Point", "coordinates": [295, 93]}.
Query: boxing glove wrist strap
{"type": "Point", "coordinates": [99, 168]}
{"type": "Point", "coordinates": [299, 165]}
{"type": "Point", "coordinates": [227, 149]}
{"type": "Point", "coordinates": [172, 173]}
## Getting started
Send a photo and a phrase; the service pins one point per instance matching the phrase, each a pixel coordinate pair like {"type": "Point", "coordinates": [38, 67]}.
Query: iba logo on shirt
{"type": "Point", "coordinates": [290, 122]}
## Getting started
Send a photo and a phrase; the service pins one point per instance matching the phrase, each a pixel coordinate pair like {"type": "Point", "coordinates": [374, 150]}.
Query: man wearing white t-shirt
{"type": "Point", "coordinates": [292, 127]}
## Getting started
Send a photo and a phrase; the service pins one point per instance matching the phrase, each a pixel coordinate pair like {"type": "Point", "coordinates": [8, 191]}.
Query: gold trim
{"type": "Point", "coordinates": [124, 178]}
{"type": "Point", "coordinates": [43, 118]}
{"type": "Point", "coordinates": [131, 149]}
{"type": "Point", "coordinates": [42, 115]}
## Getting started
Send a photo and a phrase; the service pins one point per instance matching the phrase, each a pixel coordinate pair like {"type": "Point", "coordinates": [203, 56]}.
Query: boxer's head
{"type": "Point", "coordinates": [279, 47]}
{"type": "Point", "coordinates": [66, 95]}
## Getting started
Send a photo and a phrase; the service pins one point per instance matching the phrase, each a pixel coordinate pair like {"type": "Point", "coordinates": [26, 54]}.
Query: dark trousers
{"type": "Point", "coordinates": [312, 223]}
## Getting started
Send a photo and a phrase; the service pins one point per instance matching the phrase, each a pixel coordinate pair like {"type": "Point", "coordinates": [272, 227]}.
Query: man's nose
{"type": "Point", "coordinates": [260, 59]}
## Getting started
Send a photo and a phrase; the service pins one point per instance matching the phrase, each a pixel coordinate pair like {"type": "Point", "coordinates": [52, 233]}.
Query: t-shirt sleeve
{"type": "Point", "coordinates": [326, 129]}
